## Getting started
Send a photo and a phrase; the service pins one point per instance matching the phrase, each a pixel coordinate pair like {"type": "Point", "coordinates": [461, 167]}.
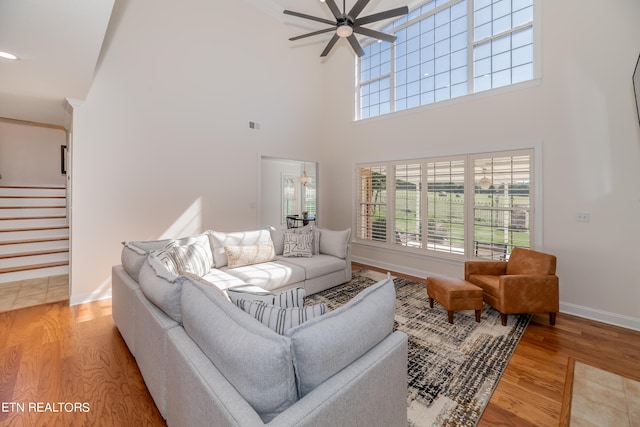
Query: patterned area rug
{"type": "Point", "coordinates": [453, 369]}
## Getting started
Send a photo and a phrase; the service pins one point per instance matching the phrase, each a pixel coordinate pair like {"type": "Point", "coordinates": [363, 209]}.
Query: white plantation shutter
{"type": "Point", "coordinates": [372, 203]}
{"type": "Point", "coordinates": [445, 205]}
{"type": "Point", "coordinates": [408, 205]}
{"type": "Point", "coordinates": [469, 206]}
{"type": "Point", "coordinates": [503, 205]}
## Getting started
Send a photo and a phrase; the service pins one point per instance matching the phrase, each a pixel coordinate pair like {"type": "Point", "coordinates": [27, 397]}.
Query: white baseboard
{"type": "Point", "coordinates": [85, 298]}
{"type": "Point", "coordinates": [601, 316]}
{"type": "Point", "coordinates": [573, 309]}
{"type": "Point", "coordinates": [391, 267]}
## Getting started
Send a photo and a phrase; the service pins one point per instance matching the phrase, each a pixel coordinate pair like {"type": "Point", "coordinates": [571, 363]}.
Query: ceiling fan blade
{"type": "Point", "coordinates": [357, 8]}
{"type": "Point", "coordinates": [334, 8]}
{"type": "Point", "coordinates": [355, 45]}
{"type": "Point", "coordinates": [315, 33]}
{"type": "Point", "coordinates": [313, 18]}
{"type": "Point", "coordinates": [333, 41]}
{"type": "Point", "coordinates": [375, 34]}
{"type": "Point", "coordinates": [382, 15]}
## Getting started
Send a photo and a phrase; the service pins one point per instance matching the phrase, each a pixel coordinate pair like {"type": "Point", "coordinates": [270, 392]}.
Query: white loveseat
{"type": "Point", "coordinates": [206, 362]}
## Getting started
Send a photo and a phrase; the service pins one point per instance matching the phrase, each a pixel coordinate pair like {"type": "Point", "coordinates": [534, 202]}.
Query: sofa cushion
{"type": "Point", "coordinates": [254, 359]}
{"type": "Point", "coordinates": [190, 256]}
{"type": "Point", "coordinates": [317, 265]}
{"type": "Point", "coordinates": [289, 298]}
{"type": "Point", "coordinates": [135, 253]}
{"type": "Point", "coordinates": [298, 245]}
{"type": "Point", "coordinates": [281, 319]}
{"type": "Point", "coordinates": [325, 345]}
{"type": "Point", "coordinates": [268, 275]}
{"type": "Point", "coordinates": [334, 242]}
{"type": "Point", "coordinates": [219, 240]}
{"type": "Point", "coordinates": [238, 256]}
{"type": "Point", "coordinates": [222, 280]}
{"type": "Point", "coordinates": [161, 287]}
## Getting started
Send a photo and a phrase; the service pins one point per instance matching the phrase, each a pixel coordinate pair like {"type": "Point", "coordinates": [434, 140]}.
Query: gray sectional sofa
{"type": "Point", "coordinates": [207, 362]}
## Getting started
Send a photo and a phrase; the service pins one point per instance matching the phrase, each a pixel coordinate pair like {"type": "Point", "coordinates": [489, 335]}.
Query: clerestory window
{"type": "Point", "coordinates": [446, 49]}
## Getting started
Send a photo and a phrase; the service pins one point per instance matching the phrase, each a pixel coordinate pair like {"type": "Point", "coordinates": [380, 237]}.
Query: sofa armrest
{"type": "Point", "coordinates": [490, 268]}
{"type": "Point", "coordinates": [522, 293]}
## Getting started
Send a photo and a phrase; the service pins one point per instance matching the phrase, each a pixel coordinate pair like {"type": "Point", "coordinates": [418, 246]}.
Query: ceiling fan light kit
{"type": "Point", "coordinates": [348, 24]}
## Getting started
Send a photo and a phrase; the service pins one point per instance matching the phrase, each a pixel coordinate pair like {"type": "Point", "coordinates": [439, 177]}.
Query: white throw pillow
{"type": "Point", "coordinates": [194, 257]}
{"type": "Point", "coordinates": [219, 240]}
{"type": "Point", "coordinates": [238, 256]}
{"type": "Point", "coordinates": [281, 319]}
{"type": "Point", "coordinates": [298, 245]}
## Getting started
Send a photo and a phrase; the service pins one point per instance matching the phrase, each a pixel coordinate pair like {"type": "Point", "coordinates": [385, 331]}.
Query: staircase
{"type": "Point", "coordinates": [34, 233]}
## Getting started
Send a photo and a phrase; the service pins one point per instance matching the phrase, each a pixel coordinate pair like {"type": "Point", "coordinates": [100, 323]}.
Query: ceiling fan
{"type": "Point", "coordinates": [348, 23]}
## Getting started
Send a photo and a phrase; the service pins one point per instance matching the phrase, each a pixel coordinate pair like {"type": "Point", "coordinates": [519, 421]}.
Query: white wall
{"type": "Point", "coordinates": [162, 146]}
{"type": "Point", "coordinates": [581, 113]}
{"type": "Point", "coordinates": [30, 154]}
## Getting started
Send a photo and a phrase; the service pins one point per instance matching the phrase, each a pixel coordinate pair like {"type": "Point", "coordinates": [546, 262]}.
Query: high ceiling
{"type": "Point", "coordinates": [58, 43]}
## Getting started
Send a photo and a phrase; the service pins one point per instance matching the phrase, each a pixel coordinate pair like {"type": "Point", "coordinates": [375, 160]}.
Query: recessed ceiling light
{"type": "Point", "coordinates": [7, 55]}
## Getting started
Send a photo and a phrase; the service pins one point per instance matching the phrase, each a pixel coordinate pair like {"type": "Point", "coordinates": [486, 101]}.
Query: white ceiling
{"type": "Point", "coordinates": [58, 43]}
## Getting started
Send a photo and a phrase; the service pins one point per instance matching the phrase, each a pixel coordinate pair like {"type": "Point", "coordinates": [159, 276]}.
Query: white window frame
{"type": "Point", "coordinates": [391, 243]}
{"type": "Point", "coordinates": [471, 44]}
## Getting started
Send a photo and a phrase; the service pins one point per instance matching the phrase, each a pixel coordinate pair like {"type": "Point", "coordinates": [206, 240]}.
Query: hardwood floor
{"type": "Point", "coordinates": [73, 359]}
{"type": "Point", "coordinates": [65, 355]}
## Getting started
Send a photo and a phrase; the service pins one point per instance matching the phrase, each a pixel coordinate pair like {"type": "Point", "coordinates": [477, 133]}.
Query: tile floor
{"type": "Point", "coordinates": [27, 293]}
{"type": "Point", "coordinates": [602, 398]}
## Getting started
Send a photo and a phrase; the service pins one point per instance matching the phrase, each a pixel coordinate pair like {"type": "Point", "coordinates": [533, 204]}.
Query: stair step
{"type": "Point", "coordinates": [34, 253]}
{"type": "Point", "coordinates": [33, 267]}
{"type": "Point", "coordinates": [26, 241]}
{"type": "Point", "coordinates": [22, 223]}
{"type": "Point", "coordinates": [21, 198]}
{"type": "Point", "coordinates": [32, 217]}
{"type": "Point", "coordinates": [34, 207]}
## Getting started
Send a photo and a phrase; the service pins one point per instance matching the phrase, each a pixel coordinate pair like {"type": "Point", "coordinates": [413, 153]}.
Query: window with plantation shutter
{"type": "Point", "coordinates": [408, 205]}
{"type": "Point", "coordinates": [502, 204]}
{"type": "Point", "coordinates": [371, 221]}
{"type": "Point", "coordinates": [464, 206]}
{"type": "Point", "coordinates": [445, 205]}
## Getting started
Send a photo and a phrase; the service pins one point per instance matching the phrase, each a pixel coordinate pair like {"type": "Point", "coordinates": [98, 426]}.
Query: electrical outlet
{"type": "Point", "coordinates": [583, 217]}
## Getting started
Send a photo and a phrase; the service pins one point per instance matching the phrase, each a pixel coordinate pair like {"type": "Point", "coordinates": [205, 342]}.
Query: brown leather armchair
{"type": "Point", "coordinates": [527, 283]}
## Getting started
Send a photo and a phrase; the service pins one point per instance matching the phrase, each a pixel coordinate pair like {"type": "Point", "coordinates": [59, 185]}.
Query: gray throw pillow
{"type": "Point", "coordinates": [281, 319]}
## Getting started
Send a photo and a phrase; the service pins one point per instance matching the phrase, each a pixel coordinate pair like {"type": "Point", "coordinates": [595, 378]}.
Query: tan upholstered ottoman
{"type": "Point", "coordinates": [454, 294]}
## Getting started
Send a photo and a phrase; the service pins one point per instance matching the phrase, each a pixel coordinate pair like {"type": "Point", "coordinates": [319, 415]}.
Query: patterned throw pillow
{"type": "Point", "coordinates": [191, 258]}
{"type": "Point", "coordinates": [281, 319]}
{"type": "Point", "coordinates": [286, 299]}
{"type": "Point", "coordinates": [238, 256]}
{"type": "Point", "coordinates": [298, 244]}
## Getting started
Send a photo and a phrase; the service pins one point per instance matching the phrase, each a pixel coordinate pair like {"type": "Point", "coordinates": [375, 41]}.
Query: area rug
{"type": "Point", "coordinates": [596, 397]}
{"type": "Point", "coordinates": [452, 368]}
